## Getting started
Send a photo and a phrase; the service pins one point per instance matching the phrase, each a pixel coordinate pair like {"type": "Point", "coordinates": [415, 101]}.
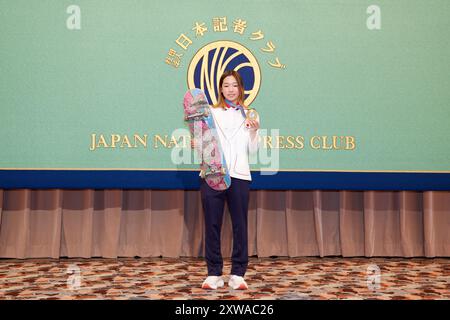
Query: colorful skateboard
{"type": "Point", "coordinates": [202, 127]}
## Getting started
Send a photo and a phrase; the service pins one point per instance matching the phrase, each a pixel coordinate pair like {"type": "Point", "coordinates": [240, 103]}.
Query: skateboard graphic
{"type": "Point", "coordinates": [202, 127]}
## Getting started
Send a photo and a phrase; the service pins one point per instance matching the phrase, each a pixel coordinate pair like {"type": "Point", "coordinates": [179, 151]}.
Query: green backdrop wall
{"type": "Point", "coordinates": [96, 85]}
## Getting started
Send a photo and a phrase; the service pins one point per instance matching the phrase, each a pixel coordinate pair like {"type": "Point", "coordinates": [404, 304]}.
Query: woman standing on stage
{"type": "Point", "coordinates": [238, 137]}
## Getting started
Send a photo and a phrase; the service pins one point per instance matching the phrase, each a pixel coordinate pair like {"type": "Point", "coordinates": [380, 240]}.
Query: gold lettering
{"type": "Point", "coordinates": [101, 142]}
{"type": "Point", "coordinates": [291, 143]}
{"type": "Point", "coordinates": [311, 142]}
{"type": "Point", "coordinates": [125, 140]}
{"type": "Point", "coordinates": [301, 142]}
{"type": "Point", "coordinates": [158, 138]}
{"type": "Point", "coordinates": [268, 142]}
{"type": "Point", "coordinates": [350, 143]}
{"type": "Point", "coordinates": [280, 144]}
{"type": "Point", "coordinates": [335, 142]}
{"type": "Point", "coordinates": [324, 145]}
{"type": "Point", "coordinates": [92, 142]}
{"type": "Point", "coordinates": [294, 142]}
{"type": "Point", "coordinates": [142, 141]}
{"type": "Point", "coordinates": [173, 142]}
{"type": "Point", "coordinates": [114, 138]}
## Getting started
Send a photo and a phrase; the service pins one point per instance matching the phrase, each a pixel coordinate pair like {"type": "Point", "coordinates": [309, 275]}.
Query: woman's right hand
{"type": "Point", "coordinates": [192, 144]}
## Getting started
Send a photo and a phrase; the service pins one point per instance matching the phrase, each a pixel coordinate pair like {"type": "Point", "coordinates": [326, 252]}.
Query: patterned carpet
{"type": "Point", "coordinates": [302, 278]}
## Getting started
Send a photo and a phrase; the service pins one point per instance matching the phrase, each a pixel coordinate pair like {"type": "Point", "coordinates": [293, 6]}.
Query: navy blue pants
{"type": "Point", "coordinates": [213, 202]}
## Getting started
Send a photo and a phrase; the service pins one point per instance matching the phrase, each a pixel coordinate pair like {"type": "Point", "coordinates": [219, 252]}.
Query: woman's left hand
{"type": "Point", "coordinates": [252, 124]}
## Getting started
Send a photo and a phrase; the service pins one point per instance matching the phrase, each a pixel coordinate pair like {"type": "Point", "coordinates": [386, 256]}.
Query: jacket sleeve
{"type": "Point", "coordinates": [254, 140]}
{"type": "Point", "coordinates": [253, 144]}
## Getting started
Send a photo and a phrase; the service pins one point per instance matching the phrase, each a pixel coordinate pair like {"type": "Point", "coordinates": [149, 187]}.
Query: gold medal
{"type": "Point", "coordinates": [252, 114]}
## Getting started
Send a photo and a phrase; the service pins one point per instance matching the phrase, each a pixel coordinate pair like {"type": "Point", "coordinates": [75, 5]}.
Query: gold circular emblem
{"type": "Point", "coordinates": [208, 64]}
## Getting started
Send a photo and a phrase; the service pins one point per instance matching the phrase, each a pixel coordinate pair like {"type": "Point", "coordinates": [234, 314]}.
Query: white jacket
{"type": "Point", "coordinates": [235, 141]}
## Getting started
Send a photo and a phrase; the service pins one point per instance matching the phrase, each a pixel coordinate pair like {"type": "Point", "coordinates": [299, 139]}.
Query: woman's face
{"type": "Point", "coordinates": [230, 89]}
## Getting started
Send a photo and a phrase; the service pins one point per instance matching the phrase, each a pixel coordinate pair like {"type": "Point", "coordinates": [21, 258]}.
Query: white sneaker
{"type": "Point", "coordinates": [237, 283]}
{"type": "Point", "coordinates": [212, 282]}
